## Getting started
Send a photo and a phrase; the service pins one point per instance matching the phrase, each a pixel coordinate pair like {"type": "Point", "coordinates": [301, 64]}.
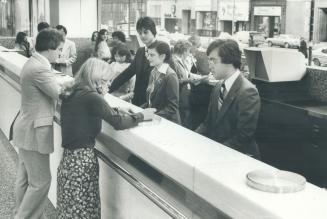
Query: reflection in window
{"type": "Point", "coordinates": [6, 18]}
{"type": "Point", "coordinates": [114, 14]}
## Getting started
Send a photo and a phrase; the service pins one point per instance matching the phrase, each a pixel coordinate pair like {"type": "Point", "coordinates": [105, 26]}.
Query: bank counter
{"type": "Point", "coordinates": [162, 170]}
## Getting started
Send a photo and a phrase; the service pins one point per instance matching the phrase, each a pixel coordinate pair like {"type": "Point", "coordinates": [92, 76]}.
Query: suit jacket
{"type": "Point", "coordinates": [141, 68]}
{"type": "Point", "coordinates": [33, 128]}
{"type": "Point", "coordinates": [67, 57]}
{"type": "Point", "coordinates": [235, 124]}
{"type": "Point", "coordinates": [165, 96]}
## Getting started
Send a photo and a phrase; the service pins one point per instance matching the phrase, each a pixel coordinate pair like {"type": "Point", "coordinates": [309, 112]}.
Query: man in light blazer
{"type": "Point", "coordinates": [68, 55]}
{"type": "Point", "coordinates": [234, 103]}
{"type": "Point", "coordinates": [33, 128]}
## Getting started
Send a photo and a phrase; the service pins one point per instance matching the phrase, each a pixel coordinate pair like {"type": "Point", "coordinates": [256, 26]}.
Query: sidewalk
{"type": "Point", "coordinates": [8, 160]}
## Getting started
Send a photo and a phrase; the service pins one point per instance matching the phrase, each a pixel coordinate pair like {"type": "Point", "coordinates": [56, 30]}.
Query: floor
{"type": "Point", "coordinates": [8, 161]}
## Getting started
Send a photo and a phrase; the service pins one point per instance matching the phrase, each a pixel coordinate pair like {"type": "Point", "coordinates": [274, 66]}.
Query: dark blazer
{"type": "Point", "coordinates": [236, 122]}
{"type": "Point", "coordinates": [141, 68]}
{"type": "Point", "coordinates": [165, 96]}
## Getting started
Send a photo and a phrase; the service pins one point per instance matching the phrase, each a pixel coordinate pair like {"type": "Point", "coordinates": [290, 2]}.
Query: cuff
{"type": "Point", "coordinates": [138, 117]}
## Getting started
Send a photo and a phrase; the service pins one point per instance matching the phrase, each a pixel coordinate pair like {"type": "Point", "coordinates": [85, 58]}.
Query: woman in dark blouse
{"type": "Point", "coordinates": [81, 116]}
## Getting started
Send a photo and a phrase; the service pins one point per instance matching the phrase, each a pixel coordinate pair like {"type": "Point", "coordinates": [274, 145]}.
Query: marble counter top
{"type": "Point", "coordinates": [213, 171]}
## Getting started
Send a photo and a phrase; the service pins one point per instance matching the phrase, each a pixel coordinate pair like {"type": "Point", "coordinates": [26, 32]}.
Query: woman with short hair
{"type": "Point", "coordinates": [81, 117]}
{"type": "Point", "coordinates": [163, 88]}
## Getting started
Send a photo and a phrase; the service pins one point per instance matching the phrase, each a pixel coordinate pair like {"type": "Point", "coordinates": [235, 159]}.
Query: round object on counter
{"type": "Point", "coordinates": [275, 181]}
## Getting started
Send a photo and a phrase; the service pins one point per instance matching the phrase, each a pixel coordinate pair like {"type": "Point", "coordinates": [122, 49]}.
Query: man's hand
{"type": "Point", "coordinates": [67, 86]}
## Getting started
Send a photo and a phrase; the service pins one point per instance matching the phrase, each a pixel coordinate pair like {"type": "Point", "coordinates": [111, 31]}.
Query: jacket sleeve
{"type": "Point", "coordinates": [118, 119]}
{"type": "Point", "coordinates": [45, 80]}
{"type": "Point", "coordinates": [248, 113]}
{"type": "Point", "coordinates": [203, 127]}
{"type": "Point", "coordinates": [172, 95]}
{"type": "Point", "coordinates": [72, 55]}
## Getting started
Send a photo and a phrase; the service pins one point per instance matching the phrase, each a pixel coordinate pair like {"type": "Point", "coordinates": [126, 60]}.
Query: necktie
{"type": "Point", "coordinates": [222, 95]}
{"type": "Point", "coordinates": [154, 75]}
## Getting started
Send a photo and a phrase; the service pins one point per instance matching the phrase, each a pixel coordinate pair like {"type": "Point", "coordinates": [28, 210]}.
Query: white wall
{"type": "Point", "coordinates": [298, 18]}
{"type": "Point", "coordinates": [78, 16]}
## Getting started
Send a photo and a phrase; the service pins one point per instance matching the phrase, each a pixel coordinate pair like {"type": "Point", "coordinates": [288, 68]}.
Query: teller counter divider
{"type": "Point", "coordinates": [162, 170]}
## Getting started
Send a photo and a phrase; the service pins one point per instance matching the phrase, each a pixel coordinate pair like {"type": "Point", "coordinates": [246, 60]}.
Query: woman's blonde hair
{"type": "Point", "coordinates": [93, 72]}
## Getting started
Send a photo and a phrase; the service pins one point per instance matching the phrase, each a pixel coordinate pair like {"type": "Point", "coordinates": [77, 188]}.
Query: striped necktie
{"type": "Point", "coordinates": [222, 95]}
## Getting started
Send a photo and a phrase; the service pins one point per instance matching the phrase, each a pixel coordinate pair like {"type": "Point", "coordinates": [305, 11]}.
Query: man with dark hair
{"type": "Point", "coordinates": [33, 128]}
{"type": "Point", "coordinates": [234, 103]}
{"type": "Point", "coordinates": [68, 54]}
{"type": "Point", "coordinates": [140, 66]}
{"type": "Point", "coordinates": [42, 26]}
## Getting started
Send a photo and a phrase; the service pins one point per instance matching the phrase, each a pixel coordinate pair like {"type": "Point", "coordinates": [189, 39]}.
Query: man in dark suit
{"type": "Point", "coordinates": [234, 103]}
{"type": "Point", "coordinates": [140, 66]}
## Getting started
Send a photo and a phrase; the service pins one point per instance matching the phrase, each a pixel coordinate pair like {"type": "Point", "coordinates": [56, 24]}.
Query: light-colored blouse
{"type": "Point", "coordinates": [103, 51]}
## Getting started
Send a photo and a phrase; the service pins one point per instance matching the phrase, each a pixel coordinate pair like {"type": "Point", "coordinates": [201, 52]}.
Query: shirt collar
{"type": "Point", "coordinates": [230, 81]}
{"type": "Point", "coordinates": [45, 60]}
{"type": "Point", "coordinates": [163, 68]}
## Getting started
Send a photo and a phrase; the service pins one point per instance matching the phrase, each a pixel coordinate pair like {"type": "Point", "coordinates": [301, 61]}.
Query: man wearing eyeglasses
{"type": "Point", "coordinates": [234, 103]}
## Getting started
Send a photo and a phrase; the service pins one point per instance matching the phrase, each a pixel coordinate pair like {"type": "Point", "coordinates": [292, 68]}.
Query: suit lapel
{"type": "Point", "coordinates": [157, 85]}
{"type": "Point", "coordinates": [229, 98]}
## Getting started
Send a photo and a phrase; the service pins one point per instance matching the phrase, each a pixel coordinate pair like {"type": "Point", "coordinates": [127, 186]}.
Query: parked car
{"type": "Point", "coordinates": [319, 56]}
{"type": "Point", "coordinates": [284, 40]}
{"type": "Point", "coordinates": [245, 36]}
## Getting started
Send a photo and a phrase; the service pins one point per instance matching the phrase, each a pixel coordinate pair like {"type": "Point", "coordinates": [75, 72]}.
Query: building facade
{"type": "Point", "coordinates": [233, 15]}
{"type": "Point", "coordinates": [320, 21]}
{"type": "Point", "coordinates": [268, 16]}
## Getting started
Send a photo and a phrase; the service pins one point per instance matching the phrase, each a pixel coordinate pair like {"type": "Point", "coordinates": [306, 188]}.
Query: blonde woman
{"type": "Point", "coordinates": [81, 116]}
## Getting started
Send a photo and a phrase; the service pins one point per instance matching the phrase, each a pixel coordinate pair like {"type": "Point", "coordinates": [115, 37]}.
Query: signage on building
{"type": "Point", "coordinates": [267, 11]}
{"type": "Point", "coordinates": [236, 9]}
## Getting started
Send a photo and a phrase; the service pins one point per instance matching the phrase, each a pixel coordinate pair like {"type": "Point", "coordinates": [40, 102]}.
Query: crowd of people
{"type": "Point", "coordinates": [205, 92]}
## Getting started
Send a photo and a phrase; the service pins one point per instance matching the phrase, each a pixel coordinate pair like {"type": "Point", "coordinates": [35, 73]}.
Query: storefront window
{"type": "Point", "coordinates": [6, 18]}
{"type": "Point", "coordinates": [115, 14]}
{"type": "Point", "coordinates": [206, 23]}
{"type": "Point", "coordinates": [269, 25]}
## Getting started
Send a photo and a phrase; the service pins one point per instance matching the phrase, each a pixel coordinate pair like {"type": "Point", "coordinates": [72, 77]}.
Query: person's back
{"type": "Point", "coordinates": [81, 119]}
{"type": "Point", "coordinates": [33, 127]}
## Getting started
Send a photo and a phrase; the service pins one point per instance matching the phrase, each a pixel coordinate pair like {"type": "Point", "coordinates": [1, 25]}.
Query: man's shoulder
{"type": "Point", "coordinates": [247, 85]}
{"type": "Point", "coordinates": [33, 63]}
